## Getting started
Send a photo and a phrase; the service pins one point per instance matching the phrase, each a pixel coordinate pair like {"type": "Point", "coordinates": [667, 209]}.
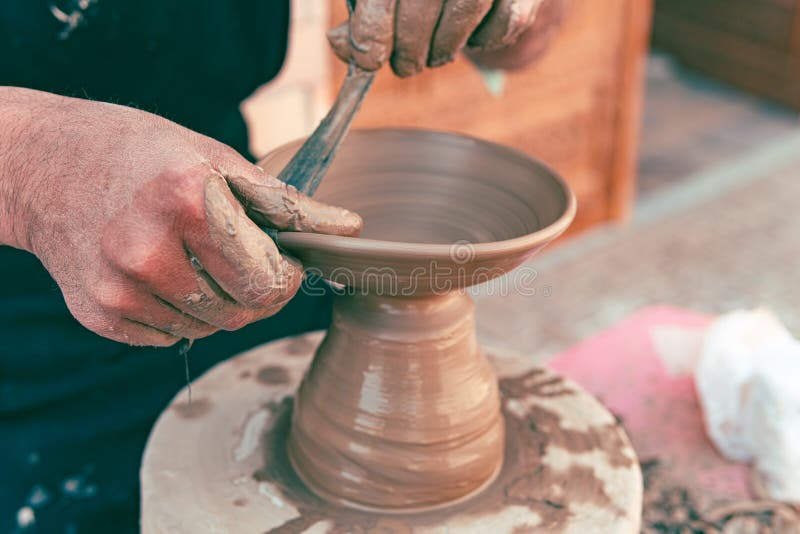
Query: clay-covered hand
{"type": "Point", "coordinates": [413, 34]}
{"type": "Point", "coordinates": [149, 228]}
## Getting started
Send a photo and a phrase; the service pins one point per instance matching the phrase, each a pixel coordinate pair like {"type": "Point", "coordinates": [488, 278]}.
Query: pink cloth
{"type": "Point", "coordinates": [660, 410]}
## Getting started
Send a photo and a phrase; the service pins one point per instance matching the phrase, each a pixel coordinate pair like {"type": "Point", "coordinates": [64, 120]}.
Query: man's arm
{"type": "Point", "coordinates": [139, 222]}
{"type": "Point", "coordinates": [18, 176]}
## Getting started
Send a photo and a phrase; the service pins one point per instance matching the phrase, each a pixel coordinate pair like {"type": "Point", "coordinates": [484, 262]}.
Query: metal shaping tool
{"type": "Point", "coordinates": [306, 169]}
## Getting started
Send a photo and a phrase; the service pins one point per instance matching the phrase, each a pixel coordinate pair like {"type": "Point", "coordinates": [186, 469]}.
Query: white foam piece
{"type": "Point", "coordinates": [748, 382]}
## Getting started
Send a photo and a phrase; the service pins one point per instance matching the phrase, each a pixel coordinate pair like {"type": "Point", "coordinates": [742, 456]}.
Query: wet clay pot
{"type": "Point", "coordinates": [400, 411]}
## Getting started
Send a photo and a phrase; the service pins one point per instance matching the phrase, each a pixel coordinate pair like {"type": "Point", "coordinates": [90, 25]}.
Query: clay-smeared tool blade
{"type": "Point", "coordinates": [308, 166]}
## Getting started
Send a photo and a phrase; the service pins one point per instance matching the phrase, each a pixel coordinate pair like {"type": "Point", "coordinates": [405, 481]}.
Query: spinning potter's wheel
{"type": "Point", "coordinates": [221, 465]}
{"type": "Point", "coordinates": [400, 423]}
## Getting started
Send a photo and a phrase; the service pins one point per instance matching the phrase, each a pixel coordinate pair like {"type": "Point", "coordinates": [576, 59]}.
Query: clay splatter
{"type": "Point", "coordinates": [192, 410]}
{"type": "Point", "coordinates": [525, 480]}
{"type": "Point", "coordinates": [536, 382]}
{"type": "Point", "coordinates": [300, 346]}
{"type": "Point", "coordinates": [672, 507]}
{"type": "Point", "coordinates": [240, 502]}
{"type": "Point", "coordinates": [273, 375]}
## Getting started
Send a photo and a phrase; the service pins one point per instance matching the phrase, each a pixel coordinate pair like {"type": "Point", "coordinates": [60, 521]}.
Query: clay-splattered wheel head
{"type": "Point", "coordinates": [441, 211]}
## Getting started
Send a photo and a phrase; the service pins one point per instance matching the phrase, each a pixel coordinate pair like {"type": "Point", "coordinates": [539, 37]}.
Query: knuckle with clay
{"type": "Point", "coordinates": [272, 202]}
{"type": "Point", "coordinates": [268, 287]}
{"type": "Point", "coordinates": [202, 300]}
{"type": "Point", "coordinates": [459, 19]}
{"type": "Point", "coordinates": [339, 39]}
{"type": "Point", "coordinates": [290, 213]}
{"type": "Point", "coordinates": [371, 32]}
{"type": "Point", "coordinates": [264, 200]}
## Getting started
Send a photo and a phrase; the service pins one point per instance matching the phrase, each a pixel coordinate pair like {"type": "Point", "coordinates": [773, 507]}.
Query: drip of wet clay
{"type": "Point", "coordinates": [186, 345]}
{"type": "Point", "coordinates": [192, 409]}
{"type": "Point", "coordinates": [273, 374]}
{"type": "Point", "coordinates": [531, 476]}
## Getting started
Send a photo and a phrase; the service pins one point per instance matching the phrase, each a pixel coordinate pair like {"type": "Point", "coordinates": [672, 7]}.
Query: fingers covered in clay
{"type": "Point", "coordinates": [146, 239]}
{"type": "Point", "coordinates": [368, 36]}
{"type": "Point", "coordinates": [188, 288]}
{"type": "Point", "coordinates": [158, 314]}
{"type": "Point", "coordinates": [504, 24]}
{"type": "Point", "coordinates": [193, 264]}
{"type": "Point", "coordinates": [415, 23]}
{"type": "Point", "coordinates": [238, 255]}
{"type": "Point", "coordinates": [339, 39]}
{"type": "Point", "coordinates": [419, 33]}
{"type": "Point", "coordinates": [458, 21]}
{"type": "Point", "coordinates": [271, 202]}
{"type": "Point", "coordinates": [120, 307]}
{"type": "Point", "coordinates": [117, 309]}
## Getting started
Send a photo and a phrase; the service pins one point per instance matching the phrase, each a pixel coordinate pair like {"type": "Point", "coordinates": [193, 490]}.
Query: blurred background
{"type": "Point", "coordinates": [674, 121]}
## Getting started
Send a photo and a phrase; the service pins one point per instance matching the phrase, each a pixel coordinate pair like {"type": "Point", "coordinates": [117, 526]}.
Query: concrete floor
{"type": "Point", "coordinates": [715, 227]}
{"type": "Point", "coordinates": [692, 124]}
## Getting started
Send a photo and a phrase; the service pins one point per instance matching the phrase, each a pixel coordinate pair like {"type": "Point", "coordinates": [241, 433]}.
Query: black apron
{"type": "Point", "coordinates": [76, 409]}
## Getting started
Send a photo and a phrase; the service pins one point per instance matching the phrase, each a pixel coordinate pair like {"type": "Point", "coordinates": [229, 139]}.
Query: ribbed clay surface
{"type": "Point", "coordinates": [400, 409]}
{"type": "Point", "coordinates": [421, 192]}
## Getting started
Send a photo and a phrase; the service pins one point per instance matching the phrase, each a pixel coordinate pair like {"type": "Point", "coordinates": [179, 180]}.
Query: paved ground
{"type": "Point", "coordinates": [716, 227]}
{"type": "Point", "coordinates": [719, 240]}
{"type": "Point", "coordinates": [691, 124]}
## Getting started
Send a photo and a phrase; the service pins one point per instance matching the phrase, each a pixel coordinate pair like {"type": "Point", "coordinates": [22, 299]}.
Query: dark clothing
{"type": "Point", "coordinates": [192, 62]}
{"type": "Point", "coordinates": [75, 409]}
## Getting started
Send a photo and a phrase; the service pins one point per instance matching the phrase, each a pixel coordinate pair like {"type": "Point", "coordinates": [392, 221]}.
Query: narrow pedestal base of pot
{"type": "Point", "coordinates": [337, 500]}
{"type": "Point", "coordinates": [399, 411]}
{"type": "Point", "coordinates": [221, 463]}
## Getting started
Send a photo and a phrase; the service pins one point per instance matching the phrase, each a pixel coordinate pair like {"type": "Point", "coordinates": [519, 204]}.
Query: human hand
{"type": "Point", "coordinates": [147, 227]}
{"type": "Point", "coordinates": [413, 34]}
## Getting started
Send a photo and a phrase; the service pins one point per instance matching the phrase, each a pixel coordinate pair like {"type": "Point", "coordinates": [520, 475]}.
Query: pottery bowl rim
{"type": "Point", "coordinates": [439, 251]}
